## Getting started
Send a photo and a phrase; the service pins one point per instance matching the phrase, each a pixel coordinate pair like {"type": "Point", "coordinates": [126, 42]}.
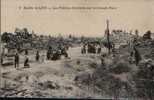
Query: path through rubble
{"type": "Point", "coordinates": [35, 80]}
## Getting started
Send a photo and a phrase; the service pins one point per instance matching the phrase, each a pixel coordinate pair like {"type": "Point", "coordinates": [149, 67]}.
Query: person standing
{"type": "Point", "coordinates": [2, 55]}
{"type": "Point", "coordinates": [37, 56]}
{"type": "Point", "coordinates": [26, 52]}
{"type": "Point", "coordinates": [113, 48]}
{"type": "Point", "coordinates": [64, 52]}
{"type": "Point", "coordinates": [99, 49]}
{"type": "Point", "coordinates": [137, 56]}
{"type": "Point", "coordinates": [16, 60]}
{"type": "Point", "coordinates": [83, 50]}
{"type": "Point", "coordinates": [42, 57]}
{"type": "Point", "coordinates": [103, 61]}
{"type": "Point", "coordinates": [49, 52]}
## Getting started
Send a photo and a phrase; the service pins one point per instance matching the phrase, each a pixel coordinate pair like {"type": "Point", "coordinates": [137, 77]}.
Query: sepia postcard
{"type": "Point", "coordinates": [77, 49]}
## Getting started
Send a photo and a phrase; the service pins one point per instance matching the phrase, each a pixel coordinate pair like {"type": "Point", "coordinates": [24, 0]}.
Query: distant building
{"type": "Point", "coordinates": [121, 37]}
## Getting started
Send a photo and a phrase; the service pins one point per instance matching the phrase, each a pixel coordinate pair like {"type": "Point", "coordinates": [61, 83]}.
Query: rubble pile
{"type": "Point", "coordinates": [104, 79]}
{"type": "Point", "coordinates": [81, 64]}
{"type": "Point", "coordinates": [144, 80]}
{"type": "Point", "coordinates": [147, 48]}
{"type": "Point", "coordinates": [146, 43]}
{"type": "Point", "coordinates": [48, 85]}
{"type": "Point", "coordinates": [83, 78]}
{"type": "Point", "coordinates": [121, 67]}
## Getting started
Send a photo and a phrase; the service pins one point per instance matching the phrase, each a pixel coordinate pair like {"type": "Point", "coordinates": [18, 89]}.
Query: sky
{"type": "Point", "coordinates": [127, 15]}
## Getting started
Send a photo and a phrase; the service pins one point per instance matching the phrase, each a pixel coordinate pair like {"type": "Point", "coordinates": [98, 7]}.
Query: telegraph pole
{"type": "Point", "coordinates": [107, 32]}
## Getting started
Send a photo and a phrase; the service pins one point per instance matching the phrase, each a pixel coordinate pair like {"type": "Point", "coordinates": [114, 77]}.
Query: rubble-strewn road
{"type": "Point", "coordinates": [49, 78]}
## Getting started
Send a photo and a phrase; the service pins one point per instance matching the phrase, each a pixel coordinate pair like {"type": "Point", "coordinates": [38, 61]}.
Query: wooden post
{"type": "Point", "coordinates": [108, 36]}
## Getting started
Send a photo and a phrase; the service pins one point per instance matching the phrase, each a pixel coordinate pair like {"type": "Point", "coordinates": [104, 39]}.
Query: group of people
{"type": "Point", "coordinates": [50, 55]}
{"type": "Point", "coordinates": [38, 58]}
{"type": "Point", "coordinates": [56, 54]}
{"type": "Point", "coordinates": [17, 59]}
{"type": "Point", "coordinates": [91, 48]}
{"type": "Point", "coordinates": [26, 60]}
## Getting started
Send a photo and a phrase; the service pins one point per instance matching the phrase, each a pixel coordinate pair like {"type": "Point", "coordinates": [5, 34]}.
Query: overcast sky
{"type": "Point", "coordinates": [128, 15]}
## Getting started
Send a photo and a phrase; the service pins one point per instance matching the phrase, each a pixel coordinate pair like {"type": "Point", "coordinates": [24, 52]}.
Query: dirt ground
{"type": "Point", "coordinates": [50, 78]}
{"type": "Point", "coordinates": [79, 76]}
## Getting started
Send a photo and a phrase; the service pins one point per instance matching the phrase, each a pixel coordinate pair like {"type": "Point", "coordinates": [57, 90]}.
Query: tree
{"type": "Point", "coordinates": [6, 37]}
{"type": "Point", "coordinates": [25, 33]}
{"type": "Point", "coordinates": [17, 31]}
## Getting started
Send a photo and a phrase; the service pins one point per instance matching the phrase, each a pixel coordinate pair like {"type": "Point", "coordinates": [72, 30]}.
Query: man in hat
{"type": "Point", "coordinates": [37, 56]}
{"type": "Point", "coordinates": [16, 60]}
